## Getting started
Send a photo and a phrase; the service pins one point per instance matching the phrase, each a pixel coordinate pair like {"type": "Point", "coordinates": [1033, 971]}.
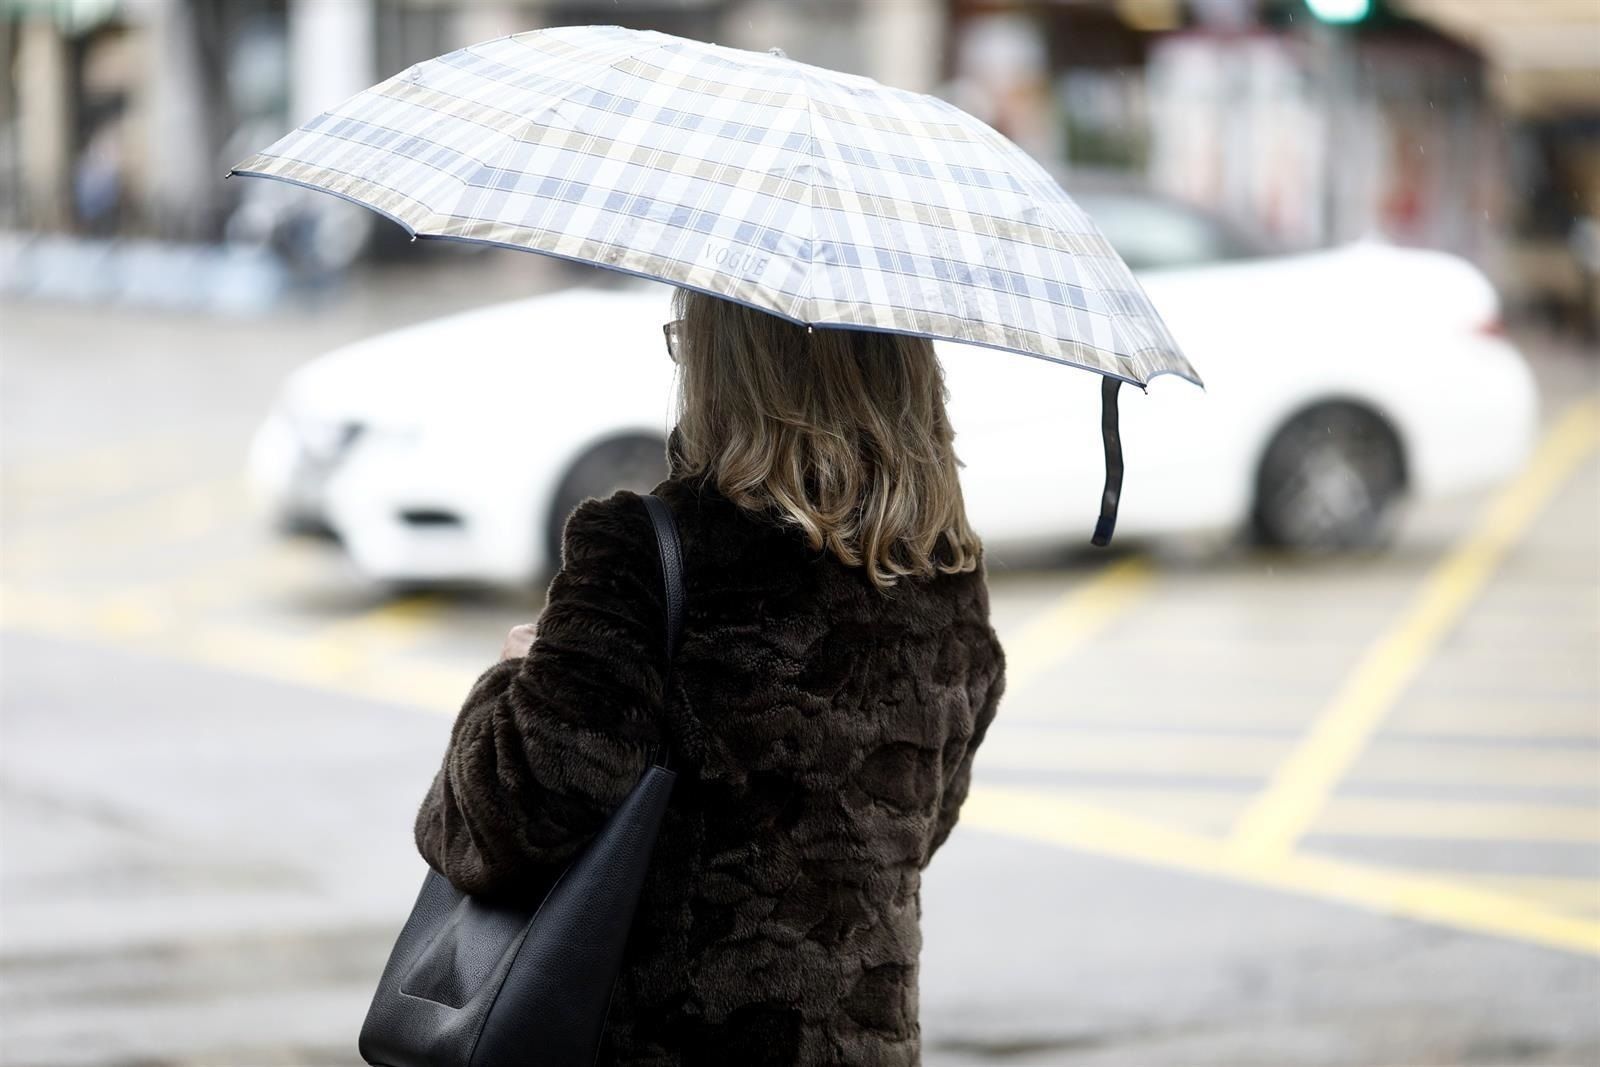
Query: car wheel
{"type": "Point", "coordinates": [637, 462]}
{"type": "Point", "coordinates": [1329, 481]}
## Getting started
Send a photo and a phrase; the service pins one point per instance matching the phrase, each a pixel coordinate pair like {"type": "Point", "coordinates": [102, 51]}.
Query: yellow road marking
{"type": "Point", "coordinates": [1077, 615]}
{"type": "Point", "coordinates": [355, 655]}
{"type": "Point", "coordinates": [1041, 816]}
{"type": "Point", "coordinates": [1466, 716]}
{"type": "Point", "coordinates": [422, 686]}
{"type": "Point", "coordinates": [113, 465]}
{"type": "Point", "coordinates": [1365, 817]}
{"type": "Point", "coordinates": [1389, 817]}
{"type": "Point", "coordinates": [306, 660]}
{"type": "Point", "coordinates": [147, 609]}
{"type": "Point", "coordinates": [1278, 818]}
{"type": "Point", "coordinates": [1392, 760]}
{"type": "Point", "coordinates": [322, 656]}
{"type": "Point", "coordinates": [1539, 658]}
{"type": "Point", "coordinates": [1196, 810]}
{"type": "Point", "coordinates": [1570, 894]}
{"type": "Point", "coordinates": [148, 522]}
{"type": "Point", "coordinates": [270, 570]}
{"type": "Point", "coordinates": [1023, 747]}
{"type": "Point", "coordinates": [1175, 753]}
{"type": "Point", "coordinates": [393, 626]}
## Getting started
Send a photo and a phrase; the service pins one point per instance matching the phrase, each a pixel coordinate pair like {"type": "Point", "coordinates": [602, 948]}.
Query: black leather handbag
{"type": "Point", "coordinates": [474, 984]}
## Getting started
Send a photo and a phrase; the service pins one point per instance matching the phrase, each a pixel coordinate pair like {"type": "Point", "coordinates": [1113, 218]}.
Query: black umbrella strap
{"type": "Point", "coordinates": [1113, 442]}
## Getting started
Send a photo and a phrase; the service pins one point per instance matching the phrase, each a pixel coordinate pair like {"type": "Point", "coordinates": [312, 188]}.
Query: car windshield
{"type": "Point", "coordinates": [1154, 234]}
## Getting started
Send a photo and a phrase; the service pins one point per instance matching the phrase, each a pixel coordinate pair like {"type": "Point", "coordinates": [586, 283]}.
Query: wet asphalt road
{"type": "Point", "coordinates": [1351, 816]}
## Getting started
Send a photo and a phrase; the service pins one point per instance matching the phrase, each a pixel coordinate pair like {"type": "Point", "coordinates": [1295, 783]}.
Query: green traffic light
{"type": "Point", "coordinates": [1342, 11]}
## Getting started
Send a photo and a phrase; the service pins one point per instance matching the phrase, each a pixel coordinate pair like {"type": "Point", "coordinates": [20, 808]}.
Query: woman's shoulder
{"type": "Point", "coordinates": [708, 523]}
{"type": "Point", "coordinates": [718, 524]}
{"type": "Point", "coordinates": [692, 502]}
{"type": "Point", "coordinates": [603, 531]}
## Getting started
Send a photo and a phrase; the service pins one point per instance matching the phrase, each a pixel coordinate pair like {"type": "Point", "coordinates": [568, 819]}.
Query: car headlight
{"type": "Point", "coordinates": [403, 435]}
{"type": "Point", "coordinates": [326, 440]}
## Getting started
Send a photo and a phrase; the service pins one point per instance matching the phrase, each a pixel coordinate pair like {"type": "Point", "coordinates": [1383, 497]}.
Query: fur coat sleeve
{"type": "Point", "coordinates": [547, 745]}
{"type": "Point", "coordinates": [956, 786]}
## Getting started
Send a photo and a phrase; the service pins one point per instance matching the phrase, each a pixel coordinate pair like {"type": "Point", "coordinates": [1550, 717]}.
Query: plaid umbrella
{"type": "Point", "coordinates": [823, 197]}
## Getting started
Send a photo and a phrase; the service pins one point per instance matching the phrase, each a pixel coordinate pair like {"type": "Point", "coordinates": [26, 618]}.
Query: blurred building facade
{"type": "Point", "coordinates": [120, 116]}
{"type": "Point", "coordinates": [1454, 124]}
{"type": "Point", "coordinates": [1467, 125]}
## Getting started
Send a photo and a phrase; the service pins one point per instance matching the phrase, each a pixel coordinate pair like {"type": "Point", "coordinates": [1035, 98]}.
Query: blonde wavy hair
{"type": "Point", "coordinates": [841, 433]}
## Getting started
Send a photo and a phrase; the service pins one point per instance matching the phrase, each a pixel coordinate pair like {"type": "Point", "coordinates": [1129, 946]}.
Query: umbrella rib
{"type": "Point", "coordinates": [808, 302]}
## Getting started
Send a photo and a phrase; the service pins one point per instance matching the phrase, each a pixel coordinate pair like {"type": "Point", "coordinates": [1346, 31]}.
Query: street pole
{"type": "Point", "coordinates": [1335, 64]}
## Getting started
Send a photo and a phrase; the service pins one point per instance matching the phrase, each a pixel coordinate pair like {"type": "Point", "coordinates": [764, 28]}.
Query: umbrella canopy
{"type": "Point", "coordinates": [823, 197]}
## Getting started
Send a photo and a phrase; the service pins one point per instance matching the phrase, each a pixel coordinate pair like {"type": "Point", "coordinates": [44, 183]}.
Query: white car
{"type": "Point", "coordinates": [1337, 382]}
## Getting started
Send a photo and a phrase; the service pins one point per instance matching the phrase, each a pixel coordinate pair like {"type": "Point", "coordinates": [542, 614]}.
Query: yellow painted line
{"type": "Point", "coordinates": [1022, 747]}
{"type": "Point", "coordinates": [275, 569]}
{"type": "Point", "coordinates": [1198, 810]}
{"type": "Point", "coordinates": [414, 684]}
{"type": "Point", "coordinates": [254, 651]}
{"type": "Point", "coordinates": [347, 646]}
{"type": "Point", "coordinates": [1465, 717]}
{"type": "Point", "coordinates": [147, 609]}
{"type": "Point", "coordinates": [1076, 616]}
{"type": "Point", "coordinates": [1496, 719]}
{"type": "Point", "coordinates": [359, 655]}
{"type": "Point", "coordinates": [1291, 802]}
{"type": "Point", "coordinates": [1041, 816]}
{"type": "Point", "coordinates": [148, 522]}
{"type": "Point", "coordinates": [1206, 810]}
{"type": "Point", "coordinates": [1536, 657]}
{"type": "Point", "coordinates": [1389, 760]}
{"type": "Point", "coordinates": [1389, 817]}
{"type": "Point", "coordinates": [113, 465]}
{"type": "Point", "coordinates": [1562, 894]}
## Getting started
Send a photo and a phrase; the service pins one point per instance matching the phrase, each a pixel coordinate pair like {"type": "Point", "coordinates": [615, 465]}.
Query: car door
{"type": "Point", "coordinates": [1028, 434]}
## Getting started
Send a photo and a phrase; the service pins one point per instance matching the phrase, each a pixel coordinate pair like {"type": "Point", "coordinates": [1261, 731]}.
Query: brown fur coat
{"type": "Point", "coordinates": [824, 735]}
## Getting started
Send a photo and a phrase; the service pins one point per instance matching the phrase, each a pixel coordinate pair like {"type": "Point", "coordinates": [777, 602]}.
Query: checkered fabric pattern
{"type": "Point", "coordinates": [827, 198]}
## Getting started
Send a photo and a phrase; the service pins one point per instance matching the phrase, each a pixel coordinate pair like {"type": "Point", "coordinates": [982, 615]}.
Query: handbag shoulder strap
{"type": "Point", "coordinates": [671, 549]}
